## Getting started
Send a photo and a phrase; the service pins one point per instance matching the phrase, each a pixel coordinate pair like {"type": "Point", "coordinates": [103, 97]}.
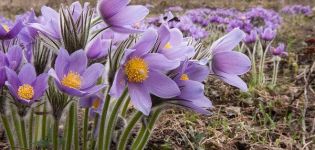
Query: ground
{"type": "Point", "coordinates": [264, 118]}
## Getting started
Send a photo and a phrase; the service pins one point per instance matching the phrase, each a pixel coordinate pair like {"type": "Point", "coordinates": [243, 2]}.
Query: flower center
{"type": "Point", "coordinates": [168, 45]}
{"type": "Point", "coordinates": [72, 80]}
{"type": "Point", "coordinates": [6, 27]}
{"type": "Point", "coordinates": [96, 103]}
{"type": "Point", "coordinates": [184, 77]}
{"type": "Point", "coordinates": [26, 92]}
{"type": "Point", "coordinates": [136, 70]}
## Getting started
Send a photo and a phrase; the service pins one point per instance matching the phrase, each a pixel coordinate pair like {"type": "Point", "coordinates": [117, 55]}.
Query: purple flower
{"type": "Point", "coordinates": [144, 74]}
{"type": "Point", "coordinates": [189, 77]}
{"type": "Point", "coordinates": [12, 60]}
{"type": "Point", "coordinates": [268, 34]}
{"type": "Point", "coordinates": [172, 44]}
{"type": "Point", "coordinates": [26, 87]}
{"type": "Point", "coordinates": [9, 32]}
{"type": "Point", "coordinates": [251, 38]}
{"type": "Point", "coordinates": [95, 102]}
{"type": "Point", "coordinates": [279, 51]}
{"type": "Point", "coordinates": [49, 23]}
{"type": "Point", "coordinates": [227, 64]}
{"type": "Point", "coordinates": [121, 17]}
{"type": "Point", "coordinates": [72, 75]}
{"type": "Point", "coordinates": [97, 48]}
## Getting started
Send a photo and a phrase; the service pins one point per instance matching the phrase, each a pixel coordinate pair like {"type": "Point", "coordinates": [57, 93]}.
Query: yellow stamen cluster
{"type": "Point", "coordinates": [96, 103]}
{"type": "Point", "coordinates": [168, 45]}
{"type": "Point", "coordinates": [72, 80]}
{"type": "Point", "coordinates": [136, 70]}
{"type": "Point", "coordinates": [6, 27]}
{"type": "Point", "coordinates": [26, 92]}
{"type": "Point", "coordinates": [184, 77]}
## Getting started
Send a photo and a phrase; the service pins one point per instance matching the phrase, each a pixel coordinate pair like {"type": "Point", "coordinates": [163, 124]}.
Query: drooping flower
{"type": "Point", "coordinates": [26, 87]}
{"type": "Point", "coordinates": [49, 23]}
{"type": "Point", "coordinates": [95, 102]}
{"type": "Point", "coordinates": [144, 74]}
{"type": "Point", "coordinates": [251, 38]}
{"type": "Point", "coordinates": [189, 77]}
{"type": "Point", "coordinates": [228, 64]}
{"type": "Point", "coordinates": [172, 44]}
{"type": "Point", "coordinates": [120, 17]}
{"type": "Point", "coordinates": [72, 75]}
{"type": "Point", "coordinates": [9, 32]}
{"type": "Point", "coordinates": [268, 34]}
{"type": "Point", "coordinates": [97, 48]}
{"type": "Point", "coordinates": [279, 51]}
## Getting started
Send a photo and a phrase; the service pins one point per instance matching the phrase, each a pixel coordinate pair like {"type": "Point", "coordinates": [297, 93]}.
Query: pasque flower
{"type": "Point", "coordinates": [227, 64]}
{"type": "Point", "coordinates": [144, 74]}
{"type": "Point", "coordinates": [9, 32]}
{"type": "Point", "coordinates": [119, 16]}
{"type": "Point", "coordinates": [268, 34]}
{"type": "Point", "coordinates": [189, 77]}
{"type": "Point", "coordinates": [72, 75]}
{"type": "Point", "coordinates": [26, 87]}
{"type": "Point", "coordinates": [172, 44]}
{"type": "Point", "coordinates": [97, 48]}
{"type": "Point", "coordinates": [95, 102]}
{"type": "Point", "coordinates": [279, 51]}
{"type": "Point", "coordinates": [251, 38]}
{"type": "Point", "coordinates": [12, 59]}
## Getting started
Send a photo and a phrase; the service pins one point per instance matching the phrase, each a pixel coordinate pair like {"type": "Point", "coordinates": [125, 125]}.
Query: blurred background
{"type": "Point", "coordinates": [11, 7]}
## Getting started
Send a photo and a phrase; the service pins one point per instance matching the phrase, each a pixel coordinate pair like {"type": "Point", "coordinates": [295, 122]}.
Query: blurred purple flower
{"type": "Point", "coordinates": [251, 38]}
{"type": "Point", "coordinates": [143, 73]}
{"type": "Point", "coordinates": [97, 48]}
{"type": "Point", "coordinates": [172, 45]}
{"type": "Point", "coordinates": [120, 17]}
{"type": "Point", "coordinates": [72, 75]}
{"type": "Point", "coordinates": [10, 31]}
{"type": "Point", "coordinates": [26, 87]}
{"type": "Point", "coordinates": [227, 64]}
{"type": "Point", "coordinates": [279, 51]}
{"type": "Point", "coordinates": [95, 102]}
{"type": "Point", "coordinates": [268, 34]}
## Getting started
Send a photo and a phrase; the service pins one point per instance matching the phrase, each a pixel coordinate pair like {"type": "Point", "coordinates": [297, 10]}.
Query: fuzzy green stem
{"type": "Point", "coordinates": [44, 122]}
{"type": "Point", "coordinates": [276, 63]}
{"type": "Point", "coordinates": [93, 142]}
{"type": "Point", "coordinates": [70, 126]}
{"type": "Point", "coordinates": [85, 128]}
{"type": "Point", "coordinates": [76, 128]}
{"type": "Point", "coordinates": [125, 108]}
{"type": "Point", "coordinates": [140, 143]}
{"type": "Point", "coordinates": [112, 120]}
{"type": "Point", "coordinates": [30, 132]}
{"type": "Point", "coordinates": [8, 131]}
{"type": "Point", "coordinates": [23, 132]}
{"type": "Point", "coordinates": [103, 120]}
{"type": "Point", "coordinates": [55, 134]}
{"type": "Point", "coordinates": [17, 126]}
{"type": "Point", "coordinates": [126, 133]}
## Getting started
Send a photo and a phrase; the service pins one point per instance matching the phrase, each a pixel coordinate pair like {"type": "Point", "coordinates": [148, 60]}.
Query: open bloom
{"type": "Point", "coordinates": [227, 64]}
{"type": "Point", "coordinates": [9, 32]}
{"type": "Point", "coordinates": [189, 77]}
{"type": "Point", "coordinates": [12, 59]}
{"type": "Point", "coordinates": [279, 51]}
{"type": "Point", "coordinates": [172, 44]}
{"type": "Point", "coordinates": [72, 75]}
{"type": "Point", "coordinates": [95, 102]}
{"type": "Point", "coordinates": [26, 87]}
{"type": "Point", "coordinates": [144, 74]}
{"type": "Point", "coordinates": [120, 17]}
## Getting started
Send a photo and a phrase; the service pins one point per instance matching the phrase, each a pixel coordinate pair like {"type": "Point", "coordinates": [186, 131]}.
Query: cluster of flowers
{"type": "Point", "coordinates": [195, 22]}
{"type": "Point", "coordinates": [297, 10]}
{"type": "Point", "coordinates": [80, 52]}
